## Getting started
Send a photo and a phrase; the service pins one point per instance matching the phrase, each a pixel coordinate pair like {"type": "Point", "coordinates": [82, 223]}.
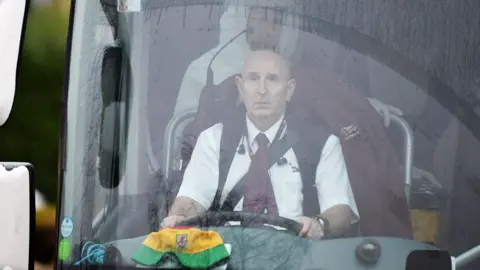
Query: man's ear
{"type": "Point", "coordinates": [291, 86]}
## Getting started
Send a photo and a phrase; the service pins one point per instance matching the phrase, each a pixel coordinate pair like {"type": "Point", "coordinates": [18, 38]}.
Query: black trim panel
{"type": "Point", "coordinates": [63, 126]}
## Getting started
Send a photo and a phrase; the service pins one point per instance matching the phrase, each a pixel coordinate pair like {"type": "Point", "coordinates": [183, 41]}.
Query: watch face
{"type": "Point", "coordinates": [323, 222]}
{"type": "Point", "coordinates": [320, 220]}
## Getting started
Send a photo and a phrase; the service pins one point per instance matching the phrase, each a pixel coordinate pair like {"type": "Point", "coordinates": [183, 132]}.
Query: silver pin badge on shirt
{"type": "Point", "coordinates": [349, 132]}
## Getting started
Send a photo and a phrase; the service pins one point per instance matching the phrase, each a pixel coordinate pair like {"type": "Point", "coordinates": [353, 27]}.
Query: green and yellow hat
{"type": "Point", "coordinates": [194, 248]}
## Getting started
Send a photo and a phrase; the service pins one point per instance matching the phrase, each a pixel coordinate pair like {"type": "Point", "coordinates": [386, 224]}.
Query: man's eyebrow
{"type": "Point", "coordinates": [270, 75]}
{"type": "Point", "coordinates": [273, 76]}
{"type": "Point", "coordinates": [252, 73]}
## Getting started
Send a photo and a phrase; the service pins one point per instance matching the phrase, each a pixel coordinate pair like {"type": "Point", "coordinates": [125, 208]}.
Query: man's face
{"type": "Point", "coordinates": [264, 28]}
{"type": "Point", "coordinates": [265, 85]}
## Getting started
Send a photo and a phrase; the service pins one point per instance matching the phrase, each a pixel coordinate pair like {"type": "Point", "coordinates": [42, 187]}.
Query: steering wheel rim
{"type": "Point", "coordinates": [218, 219]}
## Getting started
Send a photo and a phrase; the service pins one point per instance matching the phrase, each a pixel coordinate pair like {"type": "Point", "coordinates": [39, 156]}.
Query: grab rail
{"type": "Point", "coordinates": [407, 151]}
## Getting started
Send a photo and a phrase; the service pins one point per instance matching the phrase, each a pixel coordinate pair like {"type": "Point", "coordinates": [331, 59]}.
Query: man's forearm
{"type": "Point", "coordinates": [186, 207]}
{"type": "Point", "coordinates": [339, 218]}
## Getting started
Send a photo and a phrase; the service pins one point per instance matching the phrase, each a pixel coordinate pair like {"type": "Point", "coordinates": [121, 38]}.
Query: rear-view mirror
{"type": "Point", "coordinates": [17, 197]}
{"type": "Point", "coordinates": [113, 109]}
{"type": "Point", "coordinates": [13, 17]}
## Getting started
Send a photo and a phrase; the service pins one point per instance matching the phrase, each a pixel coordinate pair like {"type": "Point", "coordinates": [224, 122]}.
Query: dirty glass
{"type": "Point", "coordinates": [376, 105]}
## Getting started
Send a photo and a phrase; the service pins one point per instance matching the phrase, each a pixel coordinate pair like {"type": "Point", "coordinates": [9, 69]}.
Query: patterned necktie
{"type": "Point", "coordinates": [258, 192]}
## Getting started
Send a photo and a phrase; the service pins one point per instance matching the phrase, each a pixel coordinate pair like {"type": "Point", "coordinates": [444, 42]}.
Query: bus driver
{"type": "Point", "coordinates": [265, 87]}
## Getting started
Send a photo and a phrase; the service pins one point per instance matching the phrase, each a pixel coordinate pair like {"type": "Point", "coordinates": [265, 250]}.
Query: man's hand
{"type": "Point", "coordinates": [311, 228]}
{"type": "Point", "coordinates": [384, 110]}
{"type": "Point", "coordinates": [170, 221]}
{"type": "Point", "coordinates": [182, 208]}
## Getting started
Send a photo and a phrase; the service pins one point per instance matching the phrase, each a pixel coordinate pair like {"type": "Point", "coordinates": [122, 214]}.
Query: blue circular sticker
{"type": "Point", "coordinates": [66, 228]}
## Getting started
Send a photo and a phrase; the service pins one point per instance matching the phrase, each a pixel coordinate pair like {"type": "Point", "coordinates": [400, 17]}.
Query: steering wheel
{"type": "Point", "coordinates": [246, 219]}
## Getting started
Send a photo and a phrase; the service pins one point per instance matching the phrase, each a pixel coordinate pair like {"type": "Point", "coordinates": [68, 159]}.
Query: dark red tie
{"type": "Point", "coordinates": [258, 192]}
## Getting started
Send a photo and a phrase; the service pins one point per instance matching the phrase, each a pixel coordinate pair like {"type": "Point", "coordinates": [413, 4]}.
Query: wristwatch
{"type": "Point", "coordinates": [325, 225]}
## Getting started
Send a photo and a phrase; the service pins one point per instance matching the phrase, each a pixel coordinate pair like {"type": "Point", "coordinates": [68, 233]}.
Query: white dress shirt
{"type": "Point", "coordinates": [200, 180]}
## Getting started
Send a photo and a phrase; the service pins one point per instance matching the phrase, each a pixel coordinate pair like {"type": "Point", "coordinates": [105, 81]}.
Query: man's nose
{"type": "Point", "coordinates": [262, 87]}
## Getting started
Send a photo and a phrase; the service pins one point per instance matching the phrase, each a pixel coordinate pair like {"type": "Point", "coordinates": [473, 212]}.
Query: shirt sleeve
{"type": "Point", "coordinates": [333, 184]}
{"type": "Point", "coordinates": [200, 179]}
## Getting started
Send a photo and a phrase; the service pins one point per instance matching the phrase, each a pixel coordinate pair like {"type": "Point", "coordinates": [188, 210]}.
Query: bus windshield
{"type": "Point", "coordinates": [291, 130]}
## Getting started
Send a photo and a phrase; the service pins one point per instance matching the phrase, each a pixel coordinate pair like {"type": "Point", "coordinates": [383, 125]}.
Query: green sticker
{"type": "Point", "coordinates": [64, 249]}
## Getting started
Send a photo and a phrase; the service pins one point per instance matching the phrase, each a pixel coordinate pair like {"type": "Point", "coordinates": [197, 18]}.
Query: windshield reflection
{"type": "Point", "coordinates": [382, 102]}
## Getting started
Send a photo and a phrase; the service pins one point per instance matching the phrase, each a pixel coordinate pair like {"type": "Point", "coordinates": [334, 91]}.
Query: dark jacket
{"type": "Point", "coordinates": [372, 163]}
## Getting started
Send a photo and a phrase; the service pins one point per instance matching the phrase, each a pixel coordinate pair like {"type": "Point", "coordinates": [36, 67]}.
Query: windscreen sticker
{"type": "Point", "coordinates": [64, 249]}
{"type": "Point", "coordinates": [66, 228]}
{"type": "Point", "coordinates": [129, 5]}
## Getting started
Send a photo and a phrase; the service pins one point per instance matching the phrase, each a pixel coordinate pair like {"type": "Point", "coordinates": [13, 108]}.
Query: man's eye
{"type": "Point", "coordinates": [273, 78]}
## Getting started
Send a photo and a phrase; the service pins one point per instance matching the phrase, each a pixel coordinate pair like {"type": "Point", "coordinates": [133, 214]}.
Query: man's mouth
{"type": "Point", "coordinates": [261, 105]}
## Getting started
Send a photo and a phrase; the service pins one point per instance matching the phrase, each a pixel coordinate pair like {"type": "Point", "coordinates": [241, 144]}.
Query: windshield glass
{"type": "Point", "coordinates": [294, 120]}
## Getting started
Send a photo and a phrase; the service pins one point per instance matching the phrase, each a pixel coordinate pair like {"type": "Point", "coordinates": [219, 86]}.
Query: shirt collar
{"type": "Point", "coordinates": [253, 131]}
